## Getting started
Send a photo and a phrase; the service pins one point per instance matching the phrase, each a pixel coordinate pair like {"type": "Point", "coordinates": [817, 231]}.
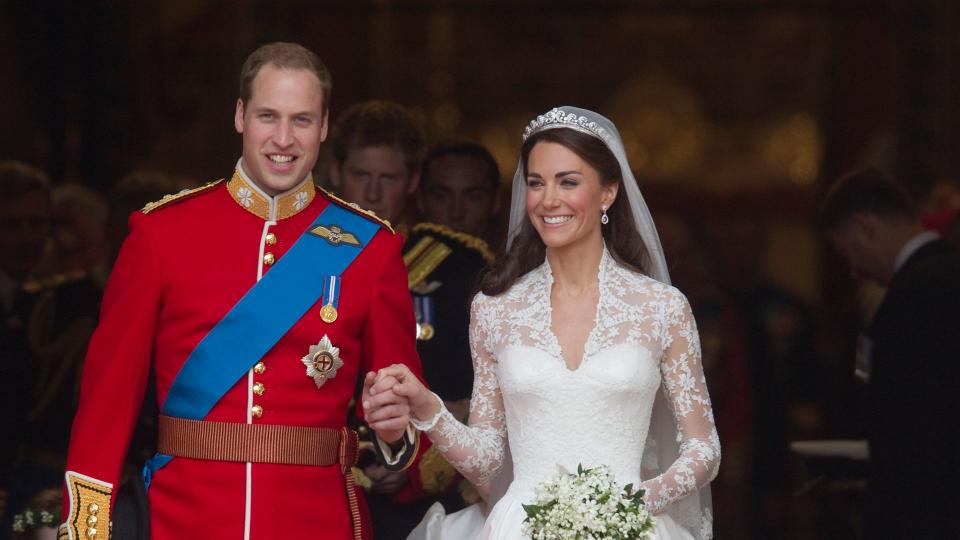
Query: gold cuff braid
{"type": "Point", "coordinates": [89, 516]}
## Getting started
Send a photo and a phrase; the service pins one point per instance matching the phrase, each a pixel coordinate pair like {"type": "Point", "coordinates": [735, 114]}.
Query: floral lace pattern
{"type": "Point", "coordinates": [644, 343]}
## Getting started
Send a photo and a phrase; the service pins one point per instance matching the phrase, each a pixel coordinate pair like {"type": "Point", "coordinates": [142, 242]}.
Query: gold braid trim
{"type": "Point", "coordinates": [425, 257]}
{"type": "Point", "coordinates": [355, 517]}
{"type": "Point", "coordinates": [167, 199]}
{"type": "Point", "coordinates": [417, 250]}
{"type": "Point", "coordinates": [89, 507]}
{"type": "Point", "coordinates": [436, 474]}
{"type": "Point", "coordinates": [472, 242]}
{"type": "Point", "coordinates": [353, 207]}
{"type": "Point", "coordinates": [412, 437]}
{"type": "Point", "coordinates": [361, 479]}
{"type": "Point", "coordinates": [52, 282]}
{"type": "Point", "coordinates": [348, 460]}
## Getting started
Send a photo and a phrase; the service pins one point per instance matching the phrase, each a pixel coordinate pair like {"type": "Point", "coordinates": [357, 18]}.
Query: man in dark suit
{"type": "Point", "coordinates": [913, 345]}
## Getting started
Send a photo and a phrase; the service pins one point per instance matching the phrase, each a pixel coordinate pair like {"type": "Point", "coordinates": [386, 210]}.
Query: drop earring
{"type": "Point", "coordinates": [604, 218]}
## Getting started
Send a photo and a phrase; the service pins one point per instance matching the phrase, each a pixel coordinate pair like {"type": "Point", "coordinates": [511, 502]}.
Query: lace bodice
{"type": "Point", "coordinates": [644, 340]}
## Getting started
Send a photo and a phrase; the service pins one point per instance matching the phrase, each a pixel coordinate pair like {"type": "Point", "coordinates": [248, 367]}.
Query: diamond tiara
{"type": "Point", "coordinates": [557, 118]}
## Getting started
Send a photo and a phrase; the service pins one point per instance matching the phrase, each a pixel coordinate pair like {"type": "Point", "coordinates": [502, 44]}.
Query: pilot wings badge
{"type": "Point", "coordinates": [335, 235]}
{"type": "Point", "coordinates": [322, 361]}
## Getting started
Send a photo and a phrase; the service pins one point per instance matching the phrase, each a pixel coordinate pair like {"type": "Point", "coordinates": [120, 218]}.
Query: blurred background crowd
{"type": "Point", "coordinates": [737, 115]}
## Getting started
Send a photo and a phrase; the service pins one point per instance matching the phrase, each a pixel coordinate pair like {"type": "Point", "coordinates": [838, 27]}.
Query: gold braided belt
{"type": "Point", "coordinates": [257, 443]}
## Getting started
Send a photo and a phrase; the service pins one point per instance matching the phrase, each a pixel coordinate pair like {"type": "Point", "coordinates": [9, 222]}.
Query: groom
{"type": "Point", "coordinates": [257, 303]}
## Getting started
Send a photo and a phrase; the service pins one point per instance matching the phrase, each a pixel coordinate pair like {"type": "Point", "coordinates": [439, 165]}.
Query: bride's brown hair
{"type": "Point", "coordinates": [620, 235]}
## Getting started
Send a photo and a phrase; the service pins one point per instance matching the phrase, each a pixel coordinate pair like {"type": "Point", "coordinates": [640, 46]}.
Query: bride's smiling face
{"type": "Point", "coordinates": [565, 197]}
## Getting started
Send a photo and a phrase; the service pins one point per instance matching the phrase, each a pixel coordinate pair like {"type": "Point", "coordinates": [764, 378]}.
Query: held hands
{"type": "Point", "coordinates": [392, 385]}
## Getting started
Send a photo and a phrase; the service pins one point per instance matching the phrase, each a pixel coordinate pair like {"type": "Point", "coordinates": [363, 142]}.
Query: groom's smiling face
{"type": "Point", "coordinates": [565, 197]}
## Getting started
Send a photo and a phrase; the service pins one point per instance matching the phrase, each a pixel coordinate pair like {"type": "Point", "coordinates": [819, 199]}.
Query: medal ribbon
{"type": "Point", "coordinates": [333, 292]}
{"type": "Point", "coordinates": [423, 308]}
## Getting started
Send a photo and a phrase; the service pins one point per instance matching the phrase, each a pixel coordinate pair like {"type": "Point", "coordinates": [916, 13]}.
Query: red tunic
{"type": "Point", "coordinates": [181, 269]}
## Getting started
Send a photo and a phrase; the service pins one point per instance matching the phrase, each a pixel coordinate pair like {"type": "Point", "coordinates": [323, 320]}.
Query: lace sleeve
{"type": "Point", "coordinates": [685, 387]}
{"type": "Point", "coordinates": [476, 449]}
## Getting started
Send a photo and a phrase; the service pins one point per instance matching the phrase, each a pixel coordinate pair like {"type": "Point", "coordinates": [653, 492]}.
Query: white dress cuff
{"type": "Point", "coordinates": [427, 425]}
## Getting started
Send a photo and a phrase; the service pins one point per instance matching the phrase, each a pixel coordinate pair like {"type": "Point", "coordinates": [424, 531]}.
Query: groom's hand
{"type": "Point", "coordinates": [386, 412]}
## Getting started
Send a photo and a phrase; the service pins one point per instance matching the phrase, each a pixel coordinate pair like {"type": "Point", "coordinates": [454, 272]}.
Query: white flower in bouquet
{"type": "Point", "coordinates": [587, 505]}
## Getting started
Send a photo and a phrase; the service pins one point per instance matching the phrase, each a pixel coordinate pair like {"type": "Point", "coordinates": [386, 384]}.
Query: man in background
{"type": "Point", "coordinates": [25, 218]}
{"type": "Point", "coordinates": [377, 148]}
{"type": "Point", "coordinates": [47, 321]}
{"type": "Point", "coordinates": [459, 188]}
{"type": "Point", "coordinates": [912, 350]}
{"type": "Point", "coordinates": [444, 255]}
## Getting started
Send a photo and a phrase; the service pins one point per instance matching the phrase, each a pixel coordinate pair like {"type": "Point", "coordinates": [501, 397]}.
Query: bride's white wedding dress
{"type": "Point", "coordinates": [644, 343]}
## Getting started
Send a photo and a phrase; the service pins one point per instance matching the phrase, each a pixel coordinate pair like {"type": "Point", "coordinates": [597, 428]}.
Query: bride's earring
{"type": "Point", "coordinates": [604, 218]}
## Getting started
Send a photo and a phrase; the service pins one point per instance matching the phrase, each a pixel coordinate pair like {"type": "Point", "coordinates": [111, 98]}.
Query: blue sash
{"type": "Point", "coordinates": [258, 320]}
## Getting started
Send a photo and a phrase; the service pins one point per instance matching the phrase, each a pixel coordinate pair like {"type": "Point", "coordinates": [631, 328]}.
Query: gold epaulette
{"type": "Point", "coordinates": [89, 510]}
{"type": "Point", "coordinates": [50, 282]}
{"type": "Point", "coordinates": [470, 241]}
{"type": "Point", "coordinates": [354, 207]}
{"type": "Point", "coordinates": [423, 258]}
{"type": "Point", "coordinates": [179, 196]}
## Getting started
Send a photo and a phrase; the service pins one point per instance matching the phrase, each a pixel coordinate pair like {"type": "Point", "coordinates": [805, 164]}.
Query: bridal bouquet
{"type": "Point", "coordinates": [588, 505]}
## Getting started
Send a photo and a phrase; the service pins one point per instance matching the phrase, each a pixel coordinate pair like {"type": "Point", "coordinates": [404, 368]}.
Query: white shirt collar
{"type": "Point", "coordinates": [911, 247]}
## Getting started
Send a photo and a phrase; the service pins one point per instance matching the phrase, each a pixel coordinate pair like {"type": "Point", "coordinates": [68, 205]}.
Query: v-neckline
{"type": "Point", "coordinates": [596, 315]}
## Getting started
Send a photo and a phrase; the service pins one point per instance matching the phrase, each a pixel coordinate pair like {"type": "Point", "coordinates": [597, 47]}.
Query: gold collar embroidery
{"type": "Point", "coordinates": [254, 201]}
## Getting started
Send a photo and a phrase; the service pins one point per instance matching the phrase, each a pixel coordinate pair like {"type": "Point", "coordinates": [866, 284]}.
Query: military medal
{"type": "Point", "coordinates": [322, 361]}
{"type": "Point", "coordinates": [425, 332]}
{"type": "Point", "coordinates": [423, 308]}
{"type": "Point", "coordinates": [329, 313]}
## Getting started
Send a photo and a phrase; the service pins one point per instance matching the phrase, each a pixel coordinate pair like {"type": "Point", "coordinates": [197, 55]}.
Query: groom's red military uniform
{"type": "Point", "coordinates": [185, 264]}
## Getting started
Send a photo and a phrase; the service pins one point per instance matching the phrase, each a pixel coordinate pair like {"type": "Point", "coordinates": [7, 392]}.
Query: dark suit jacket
{"type": "Point", "coordinates": [447, 365]}
{"type": "Point", "coordinates": [914, 475]}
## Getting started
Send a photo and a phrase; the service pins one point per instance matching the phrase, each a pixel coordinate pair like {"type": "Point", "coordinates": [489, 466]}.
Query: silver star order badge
{"type": "Point", "coordinates": [322, 361]}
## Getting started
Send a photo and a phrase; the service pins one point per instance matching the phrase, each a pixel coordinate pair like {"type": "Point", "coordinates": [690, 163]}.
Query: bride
{"type": "Point", "coordinates": [583, 353]}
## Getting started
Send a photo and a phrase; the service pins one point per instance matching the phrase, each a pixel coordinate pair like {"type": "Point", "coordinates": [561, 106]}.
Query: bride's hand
{"type": "Point", "coordinates": [398, 378]}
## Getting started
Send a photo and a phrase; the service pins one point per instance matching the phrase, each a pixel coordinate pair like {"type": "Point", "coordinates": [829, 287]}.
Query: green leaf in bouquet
{"type": "Point", "coordinates": [532, 509]}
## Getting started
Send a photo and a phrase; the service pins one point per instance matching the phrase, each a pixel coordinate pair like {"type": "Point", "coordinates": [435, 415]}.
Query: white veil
{"type": "Point", "coordinates": [694, 512]}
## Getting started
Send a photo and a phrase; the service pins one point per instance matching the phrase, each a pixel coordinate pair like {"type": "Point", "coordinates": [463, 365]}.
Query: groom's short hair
{"type": "Point", "coordinates": [284, 56]}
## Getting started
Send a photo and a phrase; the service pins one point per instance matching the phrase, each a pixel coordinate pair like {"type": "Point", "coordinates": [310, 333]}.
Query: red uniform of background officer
{"type": "Point", "coordinates": [256, 469]}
